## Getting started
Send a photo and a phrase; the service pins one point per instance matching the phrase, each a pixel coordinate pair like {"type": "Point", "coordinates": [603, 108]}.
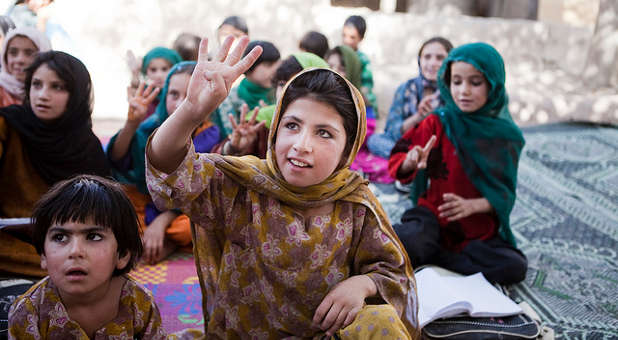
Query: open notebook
{"type": "Point", "coordinates": [442, 293]}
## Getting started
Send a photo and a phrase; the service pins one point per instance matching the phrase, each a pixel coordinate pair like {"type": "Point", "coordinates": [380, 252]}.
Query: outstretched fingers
{"type": "Point", "coordinates": [202, 55]}
{"type": "Point", "coordinates": [254, 115]}
{"type": "Point", "coordinates": [245, 63]}
{"type": "Point", "coordinates": [224, 49]}
{"type": "Point", "coordinates": [429, 144]}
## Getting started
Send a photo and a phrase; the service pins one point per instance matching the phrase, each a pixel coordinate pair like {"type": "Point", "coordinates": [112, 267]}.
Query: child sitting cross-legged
{"type": "Point", "coordinates": [295, 245]}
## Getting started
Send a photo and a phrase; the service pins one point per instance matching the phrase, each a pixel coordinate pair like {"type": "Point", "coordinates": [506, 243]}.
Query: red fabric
{"type": "Point", "coordinates": [446, 176]}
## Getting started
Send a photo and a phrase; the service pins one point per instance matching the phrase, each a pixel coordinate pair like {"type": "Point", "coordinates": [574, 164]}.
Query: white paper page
{"type": "Point", "coordinates": [438, 289]}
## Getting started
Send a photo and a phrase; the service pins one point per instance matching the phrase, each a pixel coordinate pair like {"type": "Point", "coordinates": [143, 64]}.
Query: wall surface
{"type": "Point", "coordinates": [544, 60]}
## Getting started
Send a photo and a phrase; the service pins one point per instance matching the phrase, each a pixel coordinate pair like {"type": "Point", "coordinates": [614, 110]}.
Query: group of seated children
{"type": "Point", "coordinates": [264, 181]}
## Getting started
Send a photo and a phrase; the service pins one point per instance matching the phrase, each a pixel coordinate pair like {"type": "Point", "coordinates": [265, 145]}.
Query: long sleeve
{"type": "Point", "coordinates": [24, 321]}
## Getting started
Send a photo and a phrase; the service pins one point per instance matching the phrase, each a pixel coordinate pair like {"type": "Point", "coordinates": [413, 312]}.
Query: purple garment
{"type": "Point", "coordinates": [203, 142]}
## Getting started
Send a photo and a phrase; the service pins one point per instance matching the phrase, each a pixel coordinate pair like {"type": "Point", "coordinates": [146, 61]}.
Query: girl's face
{"type": "Point", "coordinates": [81, 258]}
{"type": "Point", "coordinates": [20, 54]}
{"type": "Point", "coordinates": [176, 91]}
{"type": "Point", "coordinates": [335, 62]}
{"type": "Point", "coordinates": [431, 59]}
{"type": "Point", "coordinates": [351, 37]}
{"type": "Point", "coordinates": [157, 71]}
{"type": "Point", "coordinates": [310, 142]}
{"type": "Point", "coordinates": [468, 86]}
{"type": "Point", "coordinates": [264, 73]}
{"type": "Point", "coordinates": [48, 94]}
{"type": "Point", "coordinates": [226, 30]}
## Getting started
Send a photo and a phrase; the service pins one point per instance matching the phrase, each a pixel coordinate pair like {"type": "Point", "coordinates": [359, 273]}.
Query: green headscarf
{"type": "Point", "coordinates": [136, 174]}
{"type": "Point", "coordinates": [160, 52]}
{"type": "Point", "coordinates": [306, 60]}
{"type": "Point", "coordinates": [487, 141]}
{"type": "Point", "coordinates": [309, 60]}
{"type": "Point", "coordinates": [352, 64]}
{"type": "Point", "coordinates": [251, 93]}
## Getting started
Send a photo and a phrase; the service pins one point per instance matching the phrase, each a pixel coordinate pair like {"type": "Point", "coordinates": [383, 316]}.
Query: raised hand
{"type": "Point", "coordinates": [426, 106]}
{"type": "Point", "coordinates": [245, 132]}
{"type": "Point", "coordinates": [211, 81]}
{"type": "Point", "coordinates": [417, 157]}
{"type": "Point", "coordinates": [138, 103]}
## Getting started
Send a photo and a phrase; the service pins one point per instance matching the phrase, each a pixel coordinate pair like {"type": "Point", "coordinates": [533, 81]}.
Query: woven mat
{"type": "Point", "coordinates": [565, 220]}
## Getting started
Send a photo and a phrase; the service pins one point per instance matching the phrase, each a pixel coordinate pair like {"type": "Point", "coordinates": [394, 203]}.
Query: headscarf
{"type": "Point", "coordinates": [8, 81]}
{"type": "Point", "coordinates": [305, 60]}
{"type": "Point", "coordinates": [160, 52]}
{"type": "Point", "coordinates": [66, 146]}
{"type": "Point", "coordinates": [352, 64]}
{"type": "Point", "coordinates": [264, 176]}
{"type": "Point", "coordinates": [487, 141]}
{"type": "Point", "coordinates": [252, 93]}
{"type": "Point", "coordinates": [136, 175]}
{"type": "Point", "coordinates": [308, 60]}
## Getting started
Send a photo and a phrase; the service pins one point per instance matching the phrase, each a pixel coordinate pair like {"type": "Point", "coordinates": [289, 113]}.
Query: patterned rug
{"type": "Point", "coordinates": [176, 289]}
{"type": "Point", "coordinates": [566, 222]}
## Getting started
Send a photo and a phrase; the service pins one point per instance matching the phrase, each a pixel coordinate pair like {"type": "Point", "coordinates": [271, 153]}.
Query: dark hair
{"type": "Point", "coordinates": [358, 22]}
{"type": "Point", "coordinates": [335, 50]}
{"type": "Point", "coordinates": [269, 54]}
{"type": "Point", "coordinates": [236, 22]}
{"type": "Point", "coordinates": [314, 42]}
{"type": "Point", "coordinates": [76, 79]}
{"type": "Point", "coordinates": [327, 87]}
{"type": "Point", "coordinates": [288, 68]}
{"type": "Point", "coordinates": [187, 45]}
{"type": "Point", "coordinates": [448, 46]}
{"type": "Point", "coordinates": [6, 24]}
{"type": "Point", "coordinates": [90, 199]}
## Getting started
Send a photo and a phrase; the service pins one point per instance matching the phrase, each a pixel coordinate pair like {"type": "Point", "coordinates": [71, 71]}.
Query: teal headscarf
{"type": "Point", "coordinates": [487, 141]}
{"type": "Point", "coordinates": [160, 52]}
{"type": "Point", "coordinates": [136, 174]}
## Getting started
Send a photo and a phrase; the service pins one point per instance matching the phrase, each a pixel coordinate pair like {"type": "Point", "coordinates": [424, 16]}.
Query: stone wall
{"type": "Point", "coordinates": [544, 61]}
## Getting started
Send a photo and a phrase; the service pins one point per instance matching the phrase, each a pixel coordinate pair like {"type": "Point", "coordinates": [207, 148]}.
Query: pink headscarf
{"type": "Point", "coordinates": [8, 81]}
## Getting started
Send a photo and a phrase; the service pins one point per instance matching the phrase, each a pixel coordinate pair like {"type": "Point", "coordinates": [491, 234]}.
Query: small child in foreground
{"type": "Point", "coordinates": [87, 234]}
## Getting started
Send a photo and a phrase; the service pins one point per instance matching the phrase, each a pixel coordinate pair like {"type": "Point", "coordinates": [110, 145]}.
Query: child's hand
{"type": "Point", "coordinates": [211, 81]}
{"type": "Point", "coordinates": [138, 104]}
{"type": "Point", "coordinates": [341, 305]}
{"type": "Point", "coordinates": [426, 106]}
{"type": "Point", "coordinates": [417, 157]}
{"type": "Point", "coordinates": [456, 207]}
{"type": "Point", "coordinates": [245, 131]}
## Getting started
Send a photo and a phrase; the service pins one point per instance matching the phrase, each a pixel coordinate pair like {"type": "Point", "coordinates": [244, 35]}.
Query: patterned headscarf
{"type": "Point", "coordinates": [343, 184]}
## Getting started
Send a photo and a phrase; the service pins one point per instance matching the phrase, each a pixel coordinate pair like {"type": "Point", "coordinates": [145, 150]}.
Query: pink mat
{"type": "Point", "coordinates": [176, 288]}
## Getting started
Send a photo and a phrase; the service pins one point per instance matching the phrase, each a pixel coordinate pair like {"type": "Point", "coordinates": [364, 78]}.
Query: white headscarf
{"type": "Point", "coordinates": [8, 81]}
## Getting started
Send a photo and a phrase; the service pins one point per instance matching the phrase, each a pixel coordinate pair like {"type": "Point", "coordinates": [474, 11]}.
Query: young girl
{"type": "Point", "coordinates": [87, 235]}
{"type": "Point", "coordinates": [345, 61]}
{"type": "Point", "coordinates": [169, 229]}
{"type": "Point", "coordinates": [47, 139]}
{"type": "Point", "coordinates": [251, 137]}
{"type": "Point", "coordinates": [255, 89]}
{"type": "Point", "coordinates": [19, 48]}
{"type": "Point", "coordinates": [154, 68]}
{"type": "Point", "coordinates": [296, 244]}
{"type": "Point", "coordinates": [413, 99]}
{"type": "Point", "coordinates": [353, 33]}
{"type": "Point", "coordinates": [470, 150]}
